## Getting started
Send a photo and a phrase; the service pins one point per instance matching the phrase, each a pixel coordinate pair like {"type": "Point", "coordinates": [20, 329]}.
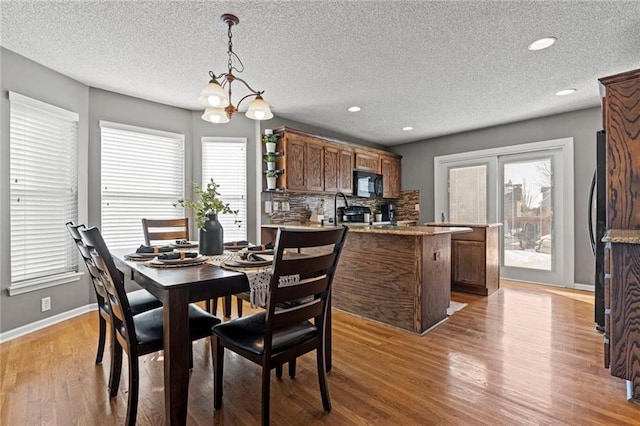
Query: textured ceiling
{"type": "Point", "coordinates": [441, 67]}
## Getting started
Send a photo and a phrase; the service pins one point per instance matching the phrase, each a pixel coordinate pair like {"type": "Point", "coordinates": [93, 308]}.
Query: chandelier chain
{"type": "Point", "coordinates": [230, 51]}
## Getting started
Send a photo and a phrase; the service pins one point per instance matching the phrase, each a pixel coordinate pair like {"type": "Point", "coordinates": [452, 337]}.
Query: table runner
{"type": "Point", "coordinates": [258, 278]}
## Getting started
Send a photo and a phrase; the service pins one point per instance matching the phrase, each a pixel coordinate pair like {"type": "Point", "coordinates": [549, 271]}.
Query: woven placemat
{"type": "Point", "coordinates": [151, 264]}
{"type": "Point", "coordinates": [137, 259]}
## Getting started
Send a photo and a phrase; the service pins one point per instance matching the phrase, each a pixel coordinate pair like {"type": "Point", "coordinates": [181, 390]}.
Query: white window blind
{"type": "Point", "coordinates": [225, 160]}
{"type": "Point", "coordinates": [142, 177]}
{"type": "Point", "coordinates": [468, 194]}
{"type": "Point", "coordinates": [43, 161]}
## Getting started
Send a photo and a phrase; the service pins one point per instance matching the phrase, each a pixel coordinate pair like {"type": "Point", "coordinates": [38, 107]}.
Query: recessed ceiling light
{"type": "Point", "coordinates": [353, 109]}
{"type": "Point", "coordinates": [407, 128]}
{"type": "Point", "coordinates": [565, 92]}
{"type": "Point", "coordinates": [543, 43]}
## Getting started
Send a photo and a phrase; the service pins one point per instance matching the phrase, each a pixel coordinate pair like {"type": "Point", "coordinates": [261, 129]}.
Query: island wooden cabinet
{"type": "Point", "coordinates": [367, 161]}
{"type": "Point", "coordinates": [390, 170]}
{"type": "Point", "coordinates": [475, 258]}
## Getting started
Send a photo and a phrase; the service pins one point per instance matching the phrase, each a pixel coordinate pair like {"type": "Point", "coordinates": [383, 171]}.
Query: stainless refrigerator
{"type": "Point", "coordinates": [598, 224]}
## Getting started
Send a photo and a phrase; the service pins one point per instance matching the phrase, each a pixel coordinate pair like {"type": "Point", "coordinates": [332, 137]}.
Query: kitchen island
{"type": "Point", "coordinates": [400, 276]}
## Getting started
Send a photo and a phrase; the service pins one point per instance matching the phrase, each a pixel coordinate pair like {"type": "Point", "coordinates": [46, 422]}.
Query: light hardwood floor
{"type": "Point", "coordinates": [525, 355]}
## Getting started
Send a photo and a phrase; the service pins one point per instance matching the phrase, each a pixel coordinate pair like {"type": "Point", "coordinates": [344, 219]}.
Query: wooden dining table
{"type": "Point", "coordinates": [176, 288]}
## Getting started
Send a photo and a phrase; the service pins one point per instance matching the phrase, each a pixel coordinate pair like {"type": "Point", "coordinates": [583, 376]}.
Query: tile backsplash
{"type": "Point", "coordinates": [302, 206]}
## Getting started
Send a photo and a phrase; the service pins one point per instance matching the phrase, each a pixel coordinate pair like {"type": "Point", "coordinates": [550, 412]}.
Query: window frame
{"type": "Point", "coordinates": [72, 274]}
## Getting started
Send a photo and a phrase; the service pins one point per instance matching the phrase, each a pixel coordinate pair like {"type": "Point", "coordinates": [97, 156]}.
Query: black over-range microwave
{"type": "Point", "coordinates": [368, 185]}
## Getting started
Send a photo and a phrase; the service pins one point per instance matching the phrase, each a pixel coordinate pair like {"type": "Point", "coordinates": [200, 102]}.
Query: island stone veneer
{"type": "Point", "coordinates": [400, 276]}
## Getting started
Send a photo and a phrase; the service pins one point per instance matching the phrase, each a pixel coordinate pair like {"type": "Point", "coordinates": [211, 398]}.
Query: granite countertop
{"type": "Point", "coordinates": [627, 236]}
{"type": "Point", "coordinates": [382, 229]}
{"type": "Point", "coordinates": [470, 225]}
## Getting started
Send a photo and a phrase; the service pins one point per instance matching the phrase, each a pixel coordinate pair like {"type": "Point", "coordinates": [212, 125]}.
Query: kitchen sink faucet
{"type": "Point", "coordinates": [335, 206]}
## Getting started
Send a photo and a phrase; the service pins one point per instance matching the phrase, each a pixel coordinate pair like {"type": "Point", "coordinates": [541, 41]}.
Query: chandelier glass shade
{"type": "Point", "coordinates": [215, 96]}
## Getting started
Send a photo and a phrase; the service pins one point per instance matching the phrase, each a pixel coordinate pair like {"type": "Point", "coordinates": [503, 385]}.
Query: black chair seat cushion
{"type": "Point", "coordinates": [248, 333]}
{"type": "Point", "coordinates": [142, 301]}
{"type": "Point", "coordinates": [149, 325]}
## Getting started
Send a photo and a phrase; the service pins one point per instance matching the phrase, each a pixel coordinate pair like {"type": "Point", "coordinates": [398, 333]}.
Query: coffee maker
{"type": "Point", "coordinates": [388, 212]}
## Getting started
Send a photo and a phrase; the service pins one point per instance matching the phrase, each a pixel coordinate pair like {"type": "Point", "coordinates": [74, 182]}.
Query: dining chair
{"type": "Point", "coordinates": [139, 334]}
{"type": "Point", "coordinates": [298, 293]}
{"type": "Point", "coordinates": [139, 300]}
{"type": "Point", "coordinates": [165, 229]}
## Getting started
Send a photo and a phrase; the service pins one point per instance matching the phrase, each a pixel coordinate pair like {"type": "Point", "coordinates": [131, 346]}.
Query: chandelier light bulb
{"type": "Point", "coordinates": [259, 109]}
{"type": "Point", "coordinates": [215, 115]}
{"type": "Point", "coordinates": [212, 95]}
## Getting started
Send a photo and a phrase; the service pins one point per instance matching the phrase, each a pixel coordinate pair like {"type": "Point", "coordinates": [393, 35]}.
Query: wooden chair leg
{"type": "Point", "coordinates": [101, 338]}
{"type": "Point", "coordinates": [292, 368]}
{"type": "Point", "coordinates": [322, 379]}
{"type": "Point", "coordinates": [116, 366]}
{"type": "Point", "coordinates": [207, 306]}
{"type": "Point", "coordinates": [217, 353]}
{"type": "Point", "coordinates": [214, 303]}
{"type": "Point", "coordinates": [132, 406]}
{"type": "Point", "coordinates": [279, 371]}
{"type": "Point", "coordinates": [191, 356]}
{"type": "Point", "coordinates": [266, 391]}
{"type": "Point", "coordinates": [239, 306]}
{"type": "Point", "coordinates": [227, 306]}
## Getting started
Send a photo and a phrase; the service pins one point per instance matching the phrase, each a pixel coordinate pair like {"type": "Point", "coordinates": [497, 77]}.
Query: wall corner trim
{"type": "Point", "coordinates": [44, 323]}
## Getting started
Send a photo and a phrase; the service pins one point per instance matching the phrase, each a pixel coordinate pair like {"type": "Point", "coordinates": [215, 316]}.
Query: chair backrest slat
{"type": "Point", "coordinates": [101, 293]}
{"type": "Point", "coordinates": [165, 229]}
{"type": "Point", "coordinates": [315, 268]}
{"type": "Point", "coordinates": [113, 282]}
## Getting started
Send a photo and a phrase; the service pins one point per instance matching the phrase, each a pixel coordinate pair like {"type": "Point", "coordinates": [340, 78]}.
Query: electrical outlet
{"type": "Point", "coordinates": [45, 304]}
{"type": "Point", "coordinates": [276, 206]}
{"type": "Point", "coordinates": [267, 207]}
{"type": "Point", "coordinates": [417, 207]}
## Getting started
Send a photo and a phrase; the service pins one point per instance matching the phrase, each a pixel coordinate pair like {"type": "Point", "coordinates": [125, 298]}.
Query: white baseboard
{"type": "Point", "coordinates": [584, 287]}
{"type": "Point", "coordinates": [44, 323]}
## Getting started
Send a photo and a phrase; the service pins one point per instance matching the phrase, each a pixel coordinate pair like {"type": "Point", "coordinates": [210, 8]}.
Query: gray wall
{"type": "Point", "coordinates": [417, 165]}
{"type": "Point", "coordinates": [24, 76]}
{"type": "Point", "coordinates": [21, 75]}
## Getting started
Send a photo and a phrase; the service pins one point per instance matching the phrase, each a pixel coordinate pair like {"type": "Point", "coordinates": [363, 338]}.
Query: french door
{"type": "Point", "coordinates": [527, 191]}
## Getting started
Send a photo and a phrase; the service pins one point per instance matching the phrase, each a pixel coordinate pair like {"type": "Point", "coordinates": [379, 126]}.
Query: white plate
{"type": "Point", "coordinates": [186, 260]}
{"type": "Point", "coordinates": [190, 244]}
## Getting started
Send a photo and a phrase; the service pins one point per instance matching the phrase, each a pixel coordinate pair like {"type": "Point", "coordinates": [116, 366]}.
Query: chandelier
{"type": "Point", "coordinates": [218, 105]}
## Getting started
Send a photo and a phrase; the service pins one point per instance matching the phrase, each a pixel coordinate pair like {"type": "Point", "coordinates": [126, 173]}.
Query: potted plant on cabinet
{"type": "Point", "coordinates": [269, 140]}
{"type": "Point", "coordinates": [378, 215]}
{"type": "Point", "coordinates": [206, 208]}
{"type": "Point", "coordinates": [272, 175]}
{"type": "Point", "coordinates": [270, 159]}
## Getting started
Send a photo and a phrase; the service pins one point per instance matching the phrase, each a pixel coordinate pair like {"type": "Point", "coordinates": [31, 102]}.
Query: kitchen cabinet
{"type": "Point", "coordinates": [390, 170]}
{"type": "Point", "coordinates": [314, 175]}
{"type": "Point", "coordinates": [317, 164]}
{"type": "Point", "coordinates": [475, 258]}
{"type": "Point", "coordinates": [621, 109]}
{"type": "Point", "coordinates": [345, 171]}
{"type": "Point", "coordinates": [295, 162]}
{"type": "Point", "coordinates": [338, 169]}
{"type": "Point", "coordinates": [367, 161]}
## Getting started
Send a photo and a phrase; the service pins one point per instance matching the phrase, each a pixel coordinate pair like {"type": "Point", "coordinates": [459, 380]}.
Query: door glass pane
{"type": "Point", "coordinates": [528, 214]}
{"type": "Point", "coordinates": [468, 194]}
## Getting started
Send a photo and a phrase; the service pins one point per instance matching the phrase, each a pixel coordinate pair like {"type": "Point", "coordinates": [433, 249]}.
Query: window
{"type": "Point", "coordinates": [225, 160]}
{"type": "Point", "coordinates": [142, 177]}
{"type": "Point", "coordinates": [43, 162]}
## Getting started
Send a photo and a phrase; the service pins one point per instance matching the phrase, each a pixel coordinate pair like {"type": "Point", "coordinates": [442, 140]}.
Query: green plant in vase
{"type": "Point", "coordinates": [206, 207]}
{"type": "Point", "coordinates": [270, 159]}
{"type": "Point", "coordinates": [272, 175]}
{"type": "Point", "coordinates": [269, 140]}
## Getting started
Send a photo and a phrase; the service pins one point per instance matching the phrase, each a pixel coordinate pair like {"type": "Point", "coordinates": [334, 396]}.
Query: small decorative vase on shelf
{"type": "Point", "coordinates": [269, 140]}
{"type": "Point", "coordinates": [212, 236]}
{"type": "Point", "coordinates": [378, 217]}
{"type": "Point", "coordinates": [271, 182]}
{"type": "Point", "coordinates": [270, 159]}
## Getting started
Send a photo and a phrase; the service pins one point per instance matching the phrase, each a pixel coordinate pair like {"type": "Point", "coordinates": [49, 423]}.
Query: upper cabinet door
{"type": "Point", "coordinates": [295, 161]}
{"type": "Point", "coordinates": [622, 109]}
{"type": "Point", "coordinates": [345, 171]}
{"type": "Point", "coordinates": [390, 170]}
{"type": "Point", "coordinates": [315, 166]}
{"type": "Point", "coordinates": [367, 162]}
{"type": "Point", "coordinates": [331, 166]}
